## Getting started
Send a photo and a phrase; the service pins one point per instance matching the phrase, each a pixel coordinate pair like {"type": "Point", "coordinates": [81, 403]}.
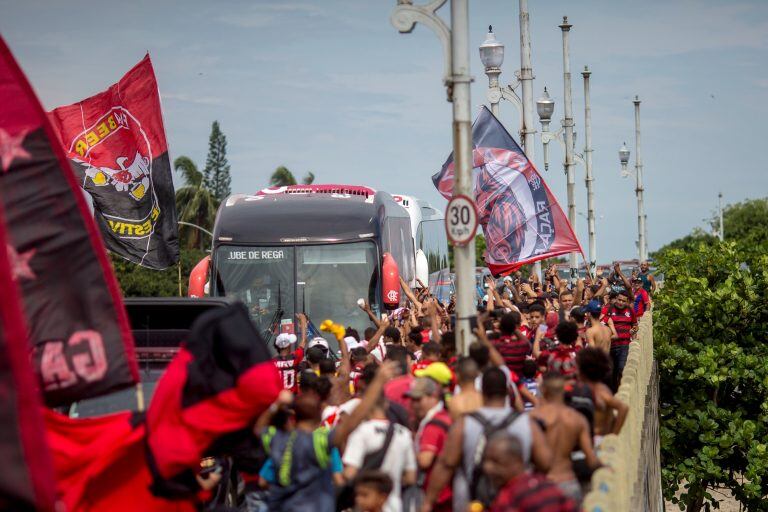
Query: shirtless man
{"type": "Point", "coordinates": [598, 334]}
{"type": "Point", "coordinates": [468, 399]}
{"type": "Point", "coordinates": [566, 430]}
{"type": "Point", "coordinates": [594, 368]}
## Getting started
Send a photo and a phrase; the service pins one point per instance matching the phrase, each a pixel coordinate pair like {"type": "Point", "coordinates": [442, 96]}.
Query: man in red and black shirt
{"type": "Point", "coordinates": [562, 359]}
{"type": "Point", "coordinates": [642, 299]}
{"type": "Point", "coordinates": [625, 323]}
{"type": "Point", "coordinates": [513, 346]}
{"type": "Point", "coordinates": [287, 360]}
{"type": "Point", "coordinates": [519, 490]}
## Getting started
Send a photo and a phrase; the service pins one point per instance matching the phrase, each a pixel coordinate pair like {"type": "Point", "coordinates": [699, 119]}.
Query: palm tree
{"type": "Point", "coordinates": [283, 177]}
{"type": "Point", "coordinates": [194, 203]}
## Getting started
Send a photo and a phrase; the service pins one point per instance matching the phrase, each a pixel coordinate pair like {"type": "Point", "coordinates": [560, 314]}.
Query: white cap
{"type": "Point", "coordinates": [351, 343]}
{"type": "Point", "coordinates": [318, 341]}
{"type": "Point", "coordinates": [285, 340]}
{"type": "Point", "coordinates": [507, 278]}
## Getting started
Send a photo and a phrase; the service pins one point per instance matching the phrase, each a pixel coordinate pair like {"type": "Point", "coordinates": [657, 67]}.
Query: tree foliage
{"type": "Point", "coordinates": [195, 204]}
{"type": "Point", "coordinates": [282, 177]}
{"type": "Point", "coordinates": [137, 281]}
{"type": "Point", "coordinates": [710, 332]}
{"type": "Point", "coordinates": [216, 176]}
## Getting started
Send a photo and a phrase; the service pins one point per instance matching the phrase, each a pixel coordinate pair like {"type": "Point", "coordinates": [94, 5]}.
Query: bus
{"type": "Point", "coordinates": [429, 239]}
{"type": "Point", "coordinates": [312, 249]}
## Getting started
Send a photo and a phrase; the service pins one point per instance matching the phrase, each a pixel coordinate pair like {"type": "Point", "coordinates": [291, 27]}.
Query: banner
{"type": "Point", "coordinates": [79, 334]}
{"type": "Point", "coordinates": [116, 142]}
{"type": "Point", "coordinates": [26, 481]}
{"type": "Point", "coordinates": [521, 219]}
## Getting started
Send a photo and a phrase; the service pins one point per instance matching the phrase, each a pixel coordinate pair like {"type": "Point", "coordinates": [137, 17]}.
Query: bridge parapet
{"type": "Point", "coordinates": [630, 478]}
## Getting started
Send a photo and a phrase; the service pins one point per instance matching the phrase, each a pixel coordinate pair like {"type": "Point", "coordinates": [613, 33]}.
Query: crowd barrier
{"type": "Point", "coordinates": [630, 479]}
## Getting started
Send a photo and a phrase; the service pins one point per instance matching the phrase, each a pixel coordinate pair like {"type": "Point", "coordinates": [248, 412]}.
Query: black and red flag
{"type": "Point", "coordinates": [520, 216]}
{"type": "Point", "coordinates": [116, 141]}
{"type": "Point", "coordinates": [79, 334]}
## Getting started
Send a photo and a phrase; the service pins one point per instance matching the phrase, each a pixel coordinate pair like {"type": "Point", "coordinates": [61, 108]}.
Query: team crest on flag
{"type": "Point", "coordinates": [521, 219]}
{"type": "Point", "coordinates": [116, 142]}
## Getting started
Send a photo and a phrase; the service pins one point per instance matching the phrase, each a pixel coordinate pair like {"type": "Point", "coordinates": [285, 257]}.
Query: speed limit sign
{"type": "Point", "coordinates": [460, 220]}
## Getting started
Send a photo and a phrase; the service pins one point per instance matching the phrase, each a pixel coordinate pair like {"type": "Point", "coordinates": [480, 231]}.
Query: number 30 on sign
{"type": "Point", "coordinates": [461, 220]}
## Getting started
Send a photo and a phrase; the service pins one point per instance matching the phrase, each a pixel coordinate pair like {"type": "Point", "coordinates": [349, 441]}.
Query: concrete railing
{"type": "Point", "coordinates": [630, 479]}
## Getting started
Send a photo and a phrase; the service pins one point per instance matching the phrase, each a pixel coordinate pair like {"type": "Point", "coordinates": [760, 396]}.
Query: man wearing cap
{"type": "Point", "coordinates": [642, 299]}
{"type": "Point", "coordinates": [287, 360]}
{"type": "Point", "coordinates": [426, 397]}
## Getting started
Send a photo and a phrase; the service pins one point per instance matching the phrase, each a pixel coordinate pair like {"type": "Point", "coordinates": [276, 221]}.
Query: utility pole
{"type": "Point", "coordinates": [641, 241]}
{"type": "Point", "coordinates": [568, 127]}
{"type": "Point", "coordinates": [721, 231]}
{"type": "Point", "coordinates": [589, 178]}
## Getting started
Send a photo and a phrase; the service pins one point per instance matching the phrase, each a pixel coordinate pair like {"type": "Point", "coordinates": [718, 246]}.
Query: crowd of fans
{"type": "Point", "coordinates": [397, 420]}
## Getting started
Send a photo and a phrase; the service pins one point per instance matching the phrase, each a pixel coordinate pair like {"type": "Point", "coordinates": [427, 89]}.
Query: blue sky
{"type": "Point", "coordinates": [330, 87]}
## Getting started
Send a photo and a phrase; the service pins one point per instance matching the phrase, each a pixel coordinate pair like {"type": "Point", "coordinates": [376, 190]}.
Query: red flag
{"type": "Point", "coordinates": [116, 142]}
{"type": "Point", "coordinates": [520, 216]}
{"type": "Point", "coordinates": [78, 329]}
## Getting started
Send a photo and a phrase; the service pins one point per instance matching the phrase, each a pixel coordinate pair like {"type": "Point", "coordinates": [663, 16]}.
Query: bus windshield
{"type": "Point", "coordinates": [322, 281]}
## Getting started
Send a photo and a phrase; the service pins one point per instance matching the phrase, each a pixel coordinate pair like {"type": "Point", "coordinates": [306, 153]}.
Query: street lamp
{"type": "Point", "coordinates": [455, 42]}
{"type": "Point", "coordinates": [624, 159]}
{"type": "Point", "coordinates": [492, 57]}
{"type": "Point", "coordinates": [545, 107]}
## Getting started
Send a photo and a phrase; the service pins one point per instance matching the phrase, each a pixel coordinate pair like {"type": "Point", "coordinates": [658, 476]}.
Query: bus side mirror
{"type": "Point", "coordinates": [198, 277]}
{"type": "Point", "coordinates": [390, 282]}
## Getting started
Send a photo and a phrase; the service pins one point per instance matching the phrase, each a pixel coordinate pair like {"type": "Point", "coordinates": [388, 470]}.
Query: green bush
{"type": "Point", "coordinates": [137, 281]}
{"type": "Point", "coordinates": [710, 332]}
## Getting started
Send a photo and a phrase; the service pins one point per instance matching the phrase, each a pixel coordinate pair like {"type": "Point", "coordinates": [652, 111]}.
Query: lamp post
{"type": "Point", "coordinates": [457, 79]}
{"type": "Point", "coordinates": [589, 179]}
{"type": "Point", "coordinates": [641, 235]}
{"type": "Point", "coordinates": [565, 27]}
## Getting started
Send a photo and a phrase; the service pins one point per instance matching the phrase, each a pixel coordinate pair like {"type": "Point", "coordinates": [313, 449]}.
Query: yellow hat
{"type": "Point", "coordinates": [439, 372]}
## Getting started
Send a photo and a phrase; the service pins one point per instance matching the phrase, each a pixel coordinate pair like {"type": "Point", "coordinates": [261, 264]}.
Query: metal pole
{"type": "Point", "coordinates": [720, 212]}
{"type": "Point", "coordinates": [568, 127]}
{"type": "Point", "coordinates": [464, 257]}
{"type": "Point", "coordinates": [643, 248]}
{"type": "Point", "coordinates": [526, 81]}
{"type": "Point", "coordinates": [589, 179]}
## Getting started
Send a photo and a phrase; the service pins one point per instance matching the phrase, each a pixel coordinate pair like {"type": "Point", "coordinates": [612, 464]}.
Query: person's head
{"type": "Point", "coordinates": [315, 355]}
{"type": "Point", "coordinates": [431, 351]}
{"type": "Point", "coordinates": [284, 343]}
{"type": "Point", "coordinates": [553, 386]}
{"type": "Point", "coordinates": [503, 458]}
{"type": "Point", "coordinates": [567, 333]}
{"type": "Point", "coordinates": [509, 323]}
{"type": "Point", "coordinates": [623, 299]}
{"type": "Point", "coordinates": [494, 386]}
{"type": "Point", "coordinates": [466, 371]}
{"type": "Point", "coordinates": [358, 355]}
{"type": "Point", "coordinates": [530, 368]}
{"type": "Point", "coordinates": [319, 343]}
{"type": "Point", "coordinates": [480, 354]}
{"type": "Point", "coordinates": [399, 354]}
{"type": "Point", "coordinates": [327, 367]}
{"type": "Point", "coordinates": [414, 338]}
{"type": "Point", "coordinates": [391, 336]}
{"type": "Point", "coordinates": [536, 314]}
{"type": "Point", "coordinates": [307, 409]}
{"type": "Point", "coordinates": [594, 309]}
{"type": "Point", "coordinates": [353, 333]}
{"type": "Point", "coordinates": [644, 267]}
{"type": "Point", "coordinates": [372, 488]}
{"type": "Point", "coordinates": [566, 300]}
{"type": "Point", "coordinates": [577, 316]}
{"type": "Point", "coordinates": [593, 364]}
{"type": "Point", "coordinates": [368, 333]}
{"type": "Point", "coordinates": [448, 343]}
{"type": "Point", "coordinates": [366, 376]}
{"type": "Point", "coordinates": [425, 394]}
{"type": "Point", "coordinates": [637, 283]}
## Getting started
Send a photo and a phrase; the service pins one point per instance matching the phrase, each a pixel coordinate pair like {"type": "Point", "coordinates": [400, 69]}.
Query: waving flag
{"type": "Point", "coordinates": [116, 142]}
{"type": "Point", "coordinates": [520, 217]}
{"type": "Point", "coordinates": [79, 335]}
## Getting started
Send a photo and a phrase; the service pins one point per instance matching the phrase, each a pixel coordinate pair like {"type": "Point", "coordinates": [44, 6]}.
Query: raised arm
{"type": "Point", "coordinates": [495, 358]}
{"type": "Point", "coordinates": [303, 328]}
{"type": "Point", "coordinates": [374, 341]}
{"type": "Point", "coordinates": [367, 308]}
{"type": "Point", "coordinates": [409, 293]}
{"type": "Point", "coordinates": [385, 372]}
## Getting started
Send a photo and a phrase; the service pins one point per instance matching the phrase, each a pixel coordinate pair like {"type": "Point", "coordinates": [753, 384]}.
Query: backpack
{"type": "Point", "coordinates": [346, 497]}
{"type": "Point", "coordinates": [480, 487]}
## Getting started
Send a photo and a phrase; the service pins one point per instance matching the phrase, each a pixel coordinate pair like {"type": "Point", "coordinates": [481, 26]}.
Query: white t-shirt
{"type": "Point", "coordinates": [400, 456]}
{"type": "Point", "coordinates": [380, 352]}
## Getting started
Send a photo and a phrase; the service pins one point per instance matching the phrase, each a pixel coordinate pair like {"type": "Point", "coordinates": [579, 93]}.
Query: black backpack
{"type": "Point", "coordinates": [346, 497]}
{"type": "Point", "coordinates": [480, 487]}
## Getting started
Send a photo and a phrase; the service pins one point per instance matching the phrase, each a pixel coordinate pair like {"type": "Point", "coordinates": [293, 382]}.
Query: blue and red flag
{"type": "Point", "coordinates": [521, 219]}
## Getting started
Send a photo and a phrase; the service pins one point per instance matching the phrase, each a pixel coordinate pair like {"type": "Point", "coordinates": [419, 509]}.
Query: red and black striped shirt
{"type": "Point", "coordinates": [514, 351]}
{"type": "Point", "coordinates": [532, 493]}
{"type": "Point", "coordinates": [623, 321]}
